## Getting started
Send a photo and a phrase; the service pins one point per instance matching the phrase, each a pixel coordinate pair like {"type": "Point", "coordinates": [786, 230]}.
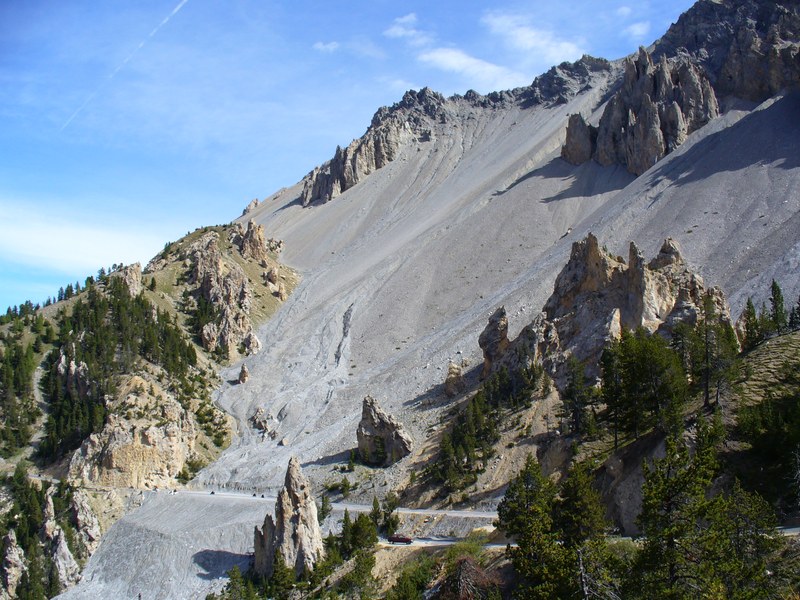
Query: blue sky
{"type": "Point", "coordinates": [125, 124]}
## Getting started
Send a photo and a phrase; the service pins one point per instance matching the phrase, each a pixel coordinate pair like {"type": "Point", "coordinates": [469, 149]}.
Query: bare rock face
{"type": "Point", "coordinates": [132, 276]}
{"type": "Point", "coordinates": [581, 141]}
{"type": "Point", "coordinates": [563, 82]}
{"type": "Point", "coordinates": [250, 207]}
{"type": "Point", "coordinates": [55, 542]}
{"type": "Point", "coordinates": [454, 383]}
{"type": "Point", "coordinates": [390, 130]}
{"type": "Point", "coordinates": [749, 48]}
{"type": "Point", "coordinates": [86, 522]}
{"type": "Point", "coordinates": [494, 339]}
{"type": "Point", "coordinates": [294, 535]}
{"type": "Point", "coordinates": [382, 440]}
{"type": "Point", "coordinates": [138, 452]}
{"type": "Point", "coordinates": [597, 294]}
{"type": "Point", "coordinates": [77, 374]}
{"type": "Point", "coordinates": [225, 286]}
{"type": "Point", "coordinates": [253, 244]}
{"type": "Point", "coordinates": [657, 106]}
{"type": "Point", "coordinates": [13, 566]}
{"type": "Point", "coordinates": [244, 374]}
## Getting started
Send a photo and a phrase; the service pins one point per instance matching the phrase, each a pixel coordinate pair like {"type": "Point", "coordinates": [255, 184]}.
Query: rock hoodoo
{"type": "Point", "coordinates": [382, 439]}
{"type": "Point", "coordinates": [253, 244]}
{"type": "Point", "coordinates": [294, 534]}
{"type": "Point", "coordinates": [224, 285]}
{"type": "Point", "coordinates": [597, 294]}
{"type": "Point", "coordinates": [454, 383]}
{"type": "Point", "coordinates": [651, 115]}
{"type": "Point", "coordinates": [244, 374]}
{"type": "Point", "coordinates": [494, 339]}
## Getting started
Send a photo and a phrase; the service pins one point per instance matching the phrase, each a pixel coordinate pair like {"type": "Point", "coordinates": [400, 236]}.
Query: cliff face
{"type": "Point", "coordinates": [748, 48]}
{"type": "Point", "coordinates": [146, 441]}
{"type": "Point", "coordinates": [294, 535]}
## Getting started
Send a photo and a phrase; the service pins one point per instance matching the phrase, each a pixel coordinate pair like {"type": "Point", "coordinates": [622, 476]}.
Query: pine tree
{"type": "Point", "coordinates": [752, 332]}
{"type": "Point", "coordinates": [778, 312]}
{"type": "Point", "coordinates": [526, 513]}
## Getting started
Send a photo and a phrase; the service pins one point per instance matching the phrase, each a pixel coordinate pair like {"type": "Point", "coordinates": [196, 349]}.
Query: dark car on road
{"type": "Point", "coordinates": [399, 539]}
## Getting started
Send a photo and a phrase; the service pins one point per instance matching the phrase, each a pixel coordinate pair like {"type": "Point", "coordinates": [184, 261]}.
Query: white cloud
{"type": "Point", "coordinates": [638, 30]}
{"type": "Point", "coordinates": [483, 75]}
{"type": "Point", "coordinates": [60, 242]}
{"type": "Point", "coordinates": [404, 28]}
{"type": "Point", "coordinates": [326, 47]}
{"type": "Point", "coordinates": [624, 11]}
{"type": "Point", "coordinates": [520, 35]}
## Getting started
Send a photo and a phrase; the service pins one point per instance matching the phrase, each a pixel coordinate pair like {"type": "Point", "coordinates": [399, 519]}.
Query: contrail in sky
{"type": "Point", "coordinates": [93, 95]}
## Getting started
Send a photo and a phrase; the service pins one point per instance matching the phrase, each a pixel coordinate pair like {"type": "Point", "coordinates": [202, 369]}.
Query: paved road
{"type": "Point", "coordinates": [350, 506]}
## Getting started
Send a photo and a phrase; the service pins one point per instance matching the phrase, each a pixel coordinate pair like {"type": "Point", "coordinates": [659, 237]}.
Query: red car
{"type": "Point", "coordinates": [399, 539]}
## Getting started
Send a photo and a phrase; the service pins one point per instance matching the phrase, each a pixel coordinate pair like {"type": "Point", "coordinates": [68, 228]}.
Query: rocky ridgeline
{"type": "Point", "coordinates": [649, 117]}
{"type": "Point", "coordinates": [595, 296]}
{"type": "Point", "coordinates": [294, 534]}
{"type": "Point", "coordinates": [382, 439]}
{"type": "Point", "coordinates": [562, 83]}
{"type": "Point", "coordinates": [749, 48]}
{"type": "Point", "coordinates": [390, 129]}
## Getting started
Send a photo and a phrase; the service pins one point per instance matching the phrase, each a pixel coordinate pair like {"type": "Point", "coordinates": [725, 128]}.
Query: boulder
{"type": "Point", "coordinates": [382, 440]}
{"type": "Point", "coordinates": [294, 534]}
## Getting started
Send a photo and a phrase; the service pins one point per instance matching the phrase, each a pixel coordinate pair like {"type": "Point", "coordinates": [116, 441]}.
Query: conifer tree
{"type": "Point", "coordinates": [778, 309]}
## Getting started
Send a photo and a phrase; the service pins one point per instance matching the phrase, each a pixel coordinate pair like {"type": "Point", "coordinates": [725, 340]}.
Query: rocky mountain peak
{"type": "Point", "coordinates": [748, 48]}
{"type": "Point", "coordinates": [563, 82]}
{"type": "Point", "coordinates": [294, 534]}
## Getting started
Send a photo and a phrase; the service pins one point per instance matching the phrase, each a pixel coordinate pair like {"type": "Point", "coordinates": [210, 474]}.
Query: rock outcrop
{"type": "Point", "coordinates": [224, 285]}
{"type": "Point", "coordinates": [750, 49]}
{"type": "Point", "coordinates": [13, 566]}
{"type": "Point", "coordinates": [253, 244]}
{"type": "Point", "coordinates": [494, 339]}
{"type": "Point", "coordinates": [382, 439]}
{"type": "Point", "coordinates": [55, 542]}
{"type": "Point", "coordinates": [390, 130]}
{"type": "Point", "coordinates": [657, 106]}
{"type": "Point", "coordinates": [132, 276]}
{"type": "Point", "coordinates": [597, 294]}
{"type": "Point", "coordinates": [294, 535]}
{"type": "Point", "coordinates": [85, 520]}
{"type": "Point", "coordinates": [146, 441]}
{"type": "Point", "coordinates": [251, 206]}
{"type": "Point", "coordinates": [454, 383]}
{"type": "Point", "coordinates": [563, 82]}
{"type": "Point", "coordinates": [244, 374]}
